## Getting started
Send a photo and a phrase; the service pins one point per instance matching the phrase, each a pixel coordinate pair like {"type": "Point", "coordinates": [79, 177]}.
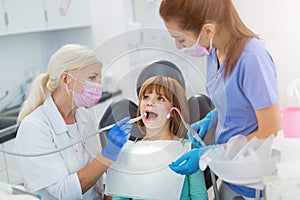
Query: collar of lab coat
{"type": "Point", "coordinates": [56, 120]}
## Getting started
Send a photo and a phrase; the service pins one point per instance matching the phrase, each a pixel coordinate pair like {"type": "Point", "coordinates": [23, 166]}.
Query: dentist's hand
{"type": "Point", "coordinates": [189, 162]}
{"type": "Point", "coordinates": [202, 126]}
{"type": "Point", "coordinates": [117, 137]}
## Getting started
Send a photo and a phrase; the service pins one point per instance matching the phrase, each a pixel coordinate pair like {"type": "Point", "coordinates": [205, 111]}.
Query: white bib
{"type": "Point", "coordinates": [142, 170]}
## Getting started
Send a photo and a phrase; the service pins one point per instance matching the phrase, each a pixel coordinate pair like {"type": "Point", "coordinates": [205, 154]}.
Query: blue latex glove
{"type": "Point", "coordinates": [188, 163]}
{"type": "Point", "coordinates": [117, 137]}
{"type": "Point", "coordinates": [203, 126]}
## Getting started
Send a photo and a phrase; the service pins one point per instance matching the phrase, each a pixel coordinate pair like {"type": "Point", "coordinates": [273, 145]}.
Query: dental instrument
{"type": "Point", "coordinates": [133, 120]}
{"type": "Point", "coordinates": [187, 126]}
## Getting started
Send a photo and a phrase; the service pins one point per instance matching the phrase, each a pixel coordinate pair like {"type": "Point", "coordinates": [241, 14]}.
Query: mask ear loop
{"type": "Point", "coordinates": [67, 88]}
{"type": "Point", "coordinates": [210, 44]}
{"type": "Point", "coordinates": [75, 78]}
{"type": "Point", "coordinates": [198, 39]}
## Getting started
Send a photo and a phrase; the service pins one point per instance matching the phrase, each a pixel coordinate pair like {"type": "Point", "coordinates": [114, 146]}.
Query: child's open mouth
{"type": "Point", "coordinates": [151, 115]}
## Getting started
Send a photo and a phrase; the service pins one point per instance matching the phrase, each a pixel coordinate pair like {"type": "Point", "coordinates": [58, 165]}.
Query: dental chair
{"type": "Point", "coordinates": [124, 107]}
{"type": "Point", "coordinates": [160, 68]}
{"type": "Point", "coordinates": [200, 105]}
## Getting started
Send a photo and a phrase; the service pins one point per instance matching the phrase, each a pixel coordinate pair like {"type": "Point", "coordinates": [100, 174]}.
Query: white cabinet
{"type": "Point", "coordinates": [41, 15]}
{"type": "Point", "coordinates": [2, 20]}
{"type": "Point", "coordinates": [77, 14]}
{"type": "Point", "coordinates": [24, 16]}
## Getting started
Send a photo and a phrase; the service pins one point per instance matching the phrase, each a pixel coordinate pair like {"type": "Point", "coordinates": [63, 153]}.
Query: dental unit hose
{"type": "Point", "coordinates": [187, 126]}
{"type": "Point", "coordinates": [133, 120]}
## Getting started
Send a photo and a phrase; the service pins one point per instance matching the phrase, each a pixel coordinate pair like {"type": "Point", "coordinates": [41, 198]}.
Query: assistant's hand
{"type": "Point", "coordinates": [117, 137]}
{"type": "Point", "coordinates": [189, 162]}
{"type": "Point", "coordinates": [202, 126]}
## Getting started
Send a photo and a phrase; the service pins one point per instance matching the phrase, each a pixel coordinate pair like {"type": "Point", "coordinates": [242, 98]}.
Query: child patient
{"type": "Point", "coordinates": [142, 171]}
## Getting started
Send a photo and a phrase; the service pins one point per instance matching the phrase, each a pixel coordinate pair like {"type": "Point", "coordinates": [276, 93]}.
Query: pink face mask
{"type": "Point", "coordinates": [92, 93]}
{"type": "Point", "coordinates": [196, 50]}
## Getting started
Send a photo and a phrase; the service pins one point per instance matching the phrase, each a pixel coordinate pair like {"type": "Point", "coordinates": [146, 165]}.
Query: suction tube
{"type": "Point", "coordinates": [187, 126]}
{"type": "Point", "coordinates": [72, 144]}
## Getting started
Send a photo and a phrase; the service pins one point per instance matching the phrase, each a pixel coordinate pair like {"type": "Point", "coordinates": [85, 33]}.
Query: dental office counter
{"type": "Point", "coordinates": [10, 132]}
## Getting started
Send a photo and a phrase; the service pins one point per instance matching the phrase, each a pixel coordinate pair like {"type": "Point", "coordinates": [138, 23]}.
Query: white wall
{"type": "Point", "coordinates": [277, 22]}
{"type": "Point", "coordinates": [109, 18]}
{"type": "Point", "coordinates": [290, 48]}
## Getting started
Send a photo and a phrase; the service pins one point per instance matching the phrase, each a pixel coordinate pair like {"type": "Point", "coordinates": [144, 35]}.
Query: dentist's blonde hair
{"type": "Point", "coordinates": [68, 58]}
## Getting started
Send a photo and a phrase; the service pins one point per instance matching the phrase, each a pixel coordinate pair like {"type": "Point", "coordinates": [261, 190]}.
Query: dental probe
{"type": "Point", "coordinates": [72, 144]}
{"type": "Point", "coordinates": [187, 126]}
{"type": "Point", "coordinates": [129, 122]}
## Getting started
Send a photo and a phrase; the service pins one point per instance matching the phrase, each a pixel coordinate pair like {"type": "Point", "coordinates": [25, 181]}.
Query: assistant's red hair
{"type": "Point", "coordinates": [191, 15]}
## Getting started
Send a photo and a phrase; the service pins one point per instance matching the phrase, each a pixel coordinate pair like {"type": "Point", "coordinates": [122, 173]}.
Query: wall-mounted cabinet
{"type": "Point", "coordinates": [24, 16]}
{"type": "Point", "coordinates": [77, 15]}
{"type": "Point", "coordinates": [41, 15]}
{"type": "Point", "coordinates": [2, 20]}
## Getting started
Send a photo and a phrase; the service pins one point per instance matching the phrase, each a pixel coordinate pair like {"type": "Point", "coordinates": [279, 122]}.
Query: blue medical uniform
{"type": "Point", "coordinates": [251, 86]}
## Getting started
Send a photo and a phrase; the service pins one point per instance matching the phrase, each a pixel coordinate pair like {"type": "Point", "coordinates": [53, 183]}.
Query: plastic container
{"type": "Point", "coordinates": [290, 119]}
{"type": "Point", "coordinates": [247, 173]}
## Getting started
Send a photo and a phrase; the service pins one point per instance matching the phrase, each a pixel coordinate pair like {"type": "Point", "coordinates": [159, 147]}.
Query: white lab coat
{"type": "Point", "coordinates": [54, 176]}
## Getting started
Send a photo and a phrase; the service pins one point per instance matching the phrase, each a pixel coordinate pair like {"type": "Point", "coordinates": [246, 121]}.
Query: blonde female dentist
{"type": "Point", "coordinates": [54, 116]}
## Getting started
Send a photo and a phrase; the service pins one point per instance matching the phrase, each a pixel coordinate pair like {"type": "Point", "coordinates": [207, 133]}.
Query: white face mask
{"type": "Point", "coordinates": [196, 50]}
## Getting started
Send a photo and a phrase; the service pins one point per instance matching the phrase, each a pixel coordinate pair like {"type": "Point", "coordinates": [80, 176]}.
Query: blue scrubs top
{"type": "Point", "coordinates": [251, 86]}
